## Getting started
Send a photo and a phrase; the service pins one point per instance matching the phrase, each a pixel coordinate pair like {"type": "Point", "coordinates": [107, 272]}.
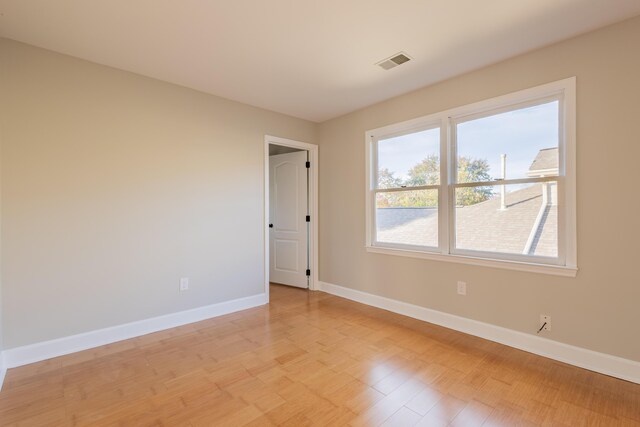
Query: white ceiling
{"type": "Point", "coordinates": [307, 58]}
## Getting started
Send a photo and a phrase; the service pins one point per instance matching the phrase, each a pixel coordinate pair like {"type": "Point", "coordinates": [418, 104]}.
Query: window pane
{"type": "Point", "coordinates": [525, 141]}
{"type": "Point", "coordinates": [524, 221]}
{"type": "Point", "coordinates": [407, 217]}
{"type": "Point", "coordinates": [409, 160]}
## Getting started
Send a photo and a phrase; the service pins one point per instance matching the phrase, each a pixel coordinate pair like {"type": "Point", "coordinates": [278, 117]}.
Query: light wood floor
{"type": "Point", "coordinates": [312, 358]}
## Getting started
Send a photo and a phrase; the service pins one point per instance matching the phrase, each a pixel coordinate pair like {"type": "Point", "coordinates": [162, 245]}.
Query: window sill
{"type": "Point", "coordinates": [555, 270]}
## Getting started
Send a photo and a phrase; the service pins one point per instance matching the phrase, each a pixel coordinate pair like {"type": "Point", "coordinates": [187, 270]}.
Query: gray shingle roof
{"type": "Point", "coordinates": [481, 227]}
{"type": "Point", "coordinates": [546, 159]}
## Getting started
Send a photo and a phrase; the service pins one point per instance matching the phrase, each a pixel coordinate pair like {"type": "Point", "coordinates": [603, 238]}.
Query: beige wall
{"type": "Point", "coordinates": [3, 109]}
{"type": "Point", "coordinates": [597, 310]}
{"type": "Point", "coordinates": [114, 186]}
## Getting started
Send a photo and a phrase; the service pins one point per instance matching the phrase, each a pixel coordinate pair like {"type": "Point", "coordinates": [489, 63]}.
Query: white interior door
{"type": "Point", "coordinates": [288, 239]}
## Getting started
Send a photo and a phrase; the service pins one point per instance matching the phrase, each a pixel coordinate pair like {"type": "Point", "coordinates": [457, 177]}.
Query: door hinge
{"type": "Point", "coordinates": [308, 218]}
{"type": "Point", "coordinates": [308, 272]}
{"type": "Point", "coordinates": [308, 165]}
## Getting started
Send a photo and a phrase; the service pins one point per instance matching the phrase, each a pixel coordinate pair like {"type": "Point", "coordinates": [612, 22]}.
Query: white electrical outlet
{"type": "Point", "coordinates": [546, 321]}
{"type": "Point", "coordinates": [462, 288]}
{"type": "Point", "coordinates": [184, 284]}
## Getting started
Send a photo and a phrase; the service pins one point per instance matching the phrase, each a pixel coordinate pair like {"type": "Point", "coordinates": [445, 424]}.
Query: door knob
{"type": "Point", "coordinates": [270, 225]}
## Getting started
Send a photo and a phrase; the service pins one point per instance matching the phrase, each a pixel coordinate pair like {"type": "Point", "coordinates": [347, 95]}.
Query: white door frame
{"type": "Point", "coordinates": [313, 206]}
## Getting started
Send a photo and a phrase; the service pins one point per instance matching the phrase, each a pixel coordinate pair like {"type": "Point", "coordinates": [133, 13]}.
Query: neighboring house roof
{"type": "Point", "coordinates": [485, 227]}
{"type": "Point", "coordinates": [480, 227]}
{"type": "Point", "coordinates": [545, 163]}
{"type": "Point", "coordinates": [408, 226]}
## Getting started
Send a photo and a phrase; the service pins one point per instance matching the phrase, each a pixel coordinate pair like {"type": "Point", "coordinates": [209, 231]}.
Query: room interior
{"type": "Point", "coordinates": [135, 238]}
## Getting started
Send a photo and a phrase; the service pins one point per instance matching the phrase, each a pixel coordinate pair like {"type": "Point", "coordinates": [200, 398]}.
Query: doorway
{"type": "Point", "coordinates": [290, 213]}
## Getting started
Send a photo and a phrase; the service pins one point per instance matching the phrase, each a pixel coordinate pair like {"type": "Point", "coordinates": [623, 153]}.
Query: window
{"type": "Point", "coordinates": [491, 183]}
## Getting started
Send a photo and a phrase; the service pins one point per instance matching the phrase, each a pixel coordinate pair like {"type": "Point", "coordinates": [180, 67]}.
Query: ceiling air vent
{"type": "Point", "coordinates": [394, 61]}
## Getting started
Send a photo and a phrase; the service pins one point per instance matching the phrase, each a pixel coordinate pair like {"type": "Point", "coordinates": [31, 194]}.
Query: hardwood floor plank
{"type": "Point", "coordinates": [310, 358]}
{"type": "Point", "coordinates": [404, 417]}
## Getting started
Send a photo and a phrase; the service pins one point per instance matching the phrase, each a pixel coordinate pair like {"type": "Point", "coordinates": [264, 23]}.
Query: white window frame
{"type": "Point", "coordinates": [566, 262]}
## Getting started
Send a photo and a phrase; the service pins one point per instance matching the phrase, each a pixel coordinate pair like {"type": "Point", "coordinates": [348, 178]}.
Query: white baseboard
{"type": "Point", "coordinates": [607, 364]}
{"type": "Point", "coordinates": [19, 356]}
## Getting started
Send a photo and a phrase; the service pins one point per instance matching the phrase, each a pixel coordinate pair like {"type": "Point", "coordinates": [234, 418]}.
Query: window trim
{"type": "Point", "coordinates": [566, 263]}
